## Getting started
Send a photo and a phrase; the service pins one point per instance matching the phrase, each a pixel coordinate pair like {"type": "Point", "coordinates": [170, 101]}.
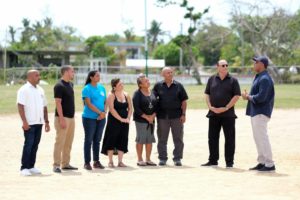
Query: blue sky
{"type": "Point", "coordinates": [96, 17]}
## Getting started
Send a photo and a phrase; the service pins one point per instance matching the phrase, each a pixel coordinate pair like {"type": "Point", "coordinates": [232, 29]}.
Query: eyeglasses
{"type": "Point", "coordinates": [225, 65]}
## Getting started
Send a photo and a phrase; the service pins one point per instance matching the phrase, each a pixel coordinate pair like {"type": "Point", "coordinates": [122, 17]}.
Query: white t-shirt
{"type": "Point", "coordinates": [34, 101]}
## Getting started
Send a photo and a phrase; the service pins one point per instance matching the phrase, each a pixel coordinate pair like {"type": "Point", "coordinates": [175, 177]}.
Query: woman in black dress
{"type": "Point", "coordinates": [117, 127]}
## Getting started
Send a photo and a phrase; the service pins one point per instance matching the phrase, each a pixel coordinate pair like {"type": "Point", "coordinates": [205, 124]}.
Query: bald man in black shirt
{"type": "Point", "coordinates": [222, 92]}
{"type": "Point", "coordinates": [172, 99]}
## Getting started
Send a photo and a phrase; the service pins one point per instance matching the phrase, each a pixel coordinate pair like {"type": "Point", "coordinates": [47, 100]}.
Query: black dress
{"type": "Point", "coordinates": [116, 132]}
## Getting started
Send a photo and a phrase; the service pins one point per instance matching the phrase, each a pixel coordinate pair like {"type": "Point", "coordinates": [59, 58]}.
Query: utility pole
{"type": "Point", "coordinates": [4, 58]}
{"type": "Point", "coordinates": [146, 39]}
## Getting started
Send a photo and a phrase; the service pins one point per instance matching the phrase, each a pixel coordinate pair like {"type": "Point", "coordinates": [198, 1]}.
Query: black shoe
{"type": "Point", "coordinates": [257, 167]}
{"type": "Point", "coordinates": [267, 169]}
{"type": "Point", "coordinates": [177, 163]}
{"type": "Point", "coordinates": [69, 167]}
{"type": "Point", "coordinates": [56, 170]}
{"type": "Point", "coordinates": [98, 165]}
{"type": "Point", "coordinates": [210, 164]}
{"type": "Point", "coordinates": [229, 165]}
{"type": "Point", "coordinates": [162, 163]}
{"type": "Point", "coordinates": [87, 166]}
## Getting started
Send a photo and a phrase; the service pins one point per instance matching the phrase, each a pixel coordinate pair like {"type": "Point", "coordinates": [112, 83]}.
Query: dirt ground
{"type": "Point", "coordinates": [187, 182]}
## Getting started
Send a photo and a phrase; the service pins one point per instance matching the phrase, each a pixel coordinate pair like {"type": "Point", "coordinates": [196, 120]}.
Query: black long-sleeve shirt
{"type": "Point", "coordinates": [143, 105]}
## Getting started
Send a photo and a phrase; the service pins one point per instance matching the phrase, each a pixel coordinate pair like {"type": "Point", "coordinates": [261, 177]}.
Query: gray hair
{"type": "Point", "coordinates": [138, 80]}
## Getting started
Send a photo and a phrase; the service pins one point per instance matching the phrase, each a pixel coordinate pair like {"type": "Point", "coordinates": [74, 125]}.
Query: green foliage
{"type": "Point", "coordinates": [153, 33]}
{"type": "Point", "coordinates": [275, 35]}
{"type": "Point", "coordinates": [42, 35]}
{"type": "Point", "coordinates": [96, 46]}
{"type": "Point", "coordinates": [210, 40]}
{"type": "Point", "coordinates": [170, 52]}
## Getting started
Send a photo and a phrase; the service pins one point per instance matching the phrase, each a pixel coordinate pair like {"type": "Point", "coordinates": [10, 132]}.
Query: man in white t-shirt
{"type": "Point", "coordinates": [32, 106]}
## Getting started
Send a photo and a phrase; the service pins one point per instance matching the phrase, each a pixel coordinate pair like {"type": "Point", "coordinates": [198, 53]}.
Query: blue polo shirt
{"type": "Point", "coordinates": [97, 96]}
{"type": "Point", "coordinates": [261, 95]}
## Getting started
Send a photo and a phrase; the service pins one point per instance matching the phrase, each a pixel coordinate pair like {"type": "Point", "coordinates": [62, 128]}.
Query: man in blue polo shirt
{"type": "Point", "coordinates": [259, 108]}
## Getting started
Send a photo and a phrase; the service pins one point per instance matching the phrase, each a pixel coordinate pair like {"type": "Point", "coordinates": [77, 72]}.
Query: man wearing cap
{"type": "Point", "coordinates": [259, 108]}
{"type": "Point", "coordinates": [222, 92]}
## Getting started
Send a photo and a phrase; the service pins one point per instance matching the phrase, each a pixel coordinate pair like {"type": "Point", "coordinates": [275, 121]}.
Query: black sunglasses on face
{"type": "Point", "coordinates": [225, 65]}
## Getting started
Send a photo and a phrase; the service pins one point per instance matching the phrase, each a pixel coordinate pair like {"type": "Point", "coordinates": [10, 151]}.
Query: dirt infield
{"type": "Point", "coordinates": [188, 182]}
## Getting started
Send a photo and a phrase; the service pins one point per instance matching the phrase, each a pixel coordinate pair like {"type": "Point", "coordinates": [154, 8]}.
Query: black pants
{"type": "Point", "coordinates": [215, 125]}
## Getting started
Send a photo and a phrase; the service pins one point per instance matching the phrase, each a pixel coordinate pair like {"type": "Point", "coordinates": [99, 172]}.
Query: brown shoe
{"type": "Point", "coordinates": [98, 165]}
{"type": "Point", "coordinates": [87, 166]}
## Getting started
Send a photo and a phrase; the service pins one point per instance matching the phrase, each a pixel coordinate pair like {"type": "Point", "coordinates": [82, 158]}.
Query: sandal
{"type": "Point", "coordinates": [121, 164]}
{"type": "Point", "coordinates": [150, 163]}
{"type": "Point", "coordinates": [111, 165]}
{"type": "Point", "coordinates": [141, 163]}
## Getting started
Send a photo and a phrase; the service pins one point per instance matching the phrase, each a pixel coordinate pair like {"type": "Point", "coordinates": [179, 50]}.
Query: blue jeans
{"type": "Point", "coordinates": [93, 133]}
{"type": "Point", "coordinates": [31, 144]}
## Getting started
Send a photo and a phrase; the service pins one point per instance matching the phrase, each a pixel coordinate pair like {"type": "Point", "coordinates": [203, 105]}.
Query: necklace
{"type": "Point", "coordinates": [150, 106]}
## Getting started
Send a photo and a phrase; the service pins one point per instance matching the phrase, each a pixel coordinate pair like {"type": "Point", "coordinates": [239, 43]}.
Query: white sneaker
{"type": "Point", "coordinates": [25, 172]}
{"type": "Point", "coordinates": [35, 171]}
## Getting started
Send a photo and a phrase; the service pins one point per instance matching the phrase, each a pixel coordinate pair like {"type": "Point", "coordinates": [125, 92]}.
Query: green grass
{"type": "Point", "coordinates": [287, 97]}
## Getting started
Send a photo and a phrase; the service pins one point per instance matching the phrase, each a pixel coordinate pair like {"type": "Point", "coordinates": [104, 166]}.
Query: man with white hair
{"type": "Point", "coordinates": [171, 112]}
{"type": "Point", "coordinates": [32, 106]}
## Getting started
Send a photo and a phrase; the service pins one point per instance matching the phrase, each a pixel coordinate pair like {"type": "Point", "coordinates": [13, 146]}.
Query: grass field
{"type": "Point", "coordinates": [287, 97]}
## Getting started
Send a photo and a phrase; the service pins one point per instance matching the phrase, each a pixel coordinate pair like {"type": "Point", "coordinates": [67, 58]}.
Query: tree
{"type": "Point", "coordinates": [194, 19]}
{"type": "Point", "coordinates": [154, 32]}
{"type": "Point", "coordinates": [12, 32]}
{"type": "Point", "coordinates": [42, 35]}
{"type": "Point", "coordinates": [169, 52]}
{"type": "Point", "coordinates": [268, 34]}
{"type": "Point", "coordinates": [112, 38]}
{"type": "Point", "coordinates": [129, 35]}
{"type": "Point", "coordinates": [96, 46]}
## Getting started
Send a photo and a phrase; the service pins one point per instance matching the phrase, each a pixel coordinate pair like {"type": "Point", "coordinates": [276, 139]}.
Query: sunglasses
{"type": "Point", "coordinates": [225, 65]}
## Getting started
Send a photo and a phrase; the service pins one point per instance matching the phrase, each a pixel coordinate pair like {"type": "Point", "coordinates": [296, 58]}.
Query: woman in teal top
{"type": "Point", "coordinates": [93, 118]}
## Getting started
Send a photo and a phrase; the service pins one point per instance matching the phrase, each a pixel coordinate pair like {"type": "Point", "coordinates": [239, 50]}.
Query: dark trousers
{"type": "Point", "coordinates": [215, 125]}
{"type": "Point", "coordinates": [93, 130]}
{"type": "Point", "coordinates": [31, 144]}
{"type": "Point", "coordinates": [163, 129]}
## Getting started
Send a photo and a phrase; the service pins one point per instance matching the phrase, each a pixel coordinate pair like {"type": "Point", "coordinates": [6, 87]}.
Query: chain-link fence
{"type": "Point", "coordinates": [128, 75]}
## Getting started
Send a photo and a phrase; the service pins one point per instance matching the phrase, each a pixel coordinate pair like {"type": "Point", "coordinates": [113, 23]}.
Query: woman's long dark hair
{"type": "Point", "coordinates": [90, 74]}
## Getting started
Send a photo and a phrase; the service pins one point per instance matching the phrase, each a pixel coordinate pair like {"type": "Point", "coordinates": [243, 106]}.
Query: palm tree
{"type": "Point", "coordinates": [129, 35]}
{"type": "Point", "coordinates": [12, 31]}
{"type": "Point", "coordinates": [26, 33]}
{"type": "Point", "coordinates": [154, 32]}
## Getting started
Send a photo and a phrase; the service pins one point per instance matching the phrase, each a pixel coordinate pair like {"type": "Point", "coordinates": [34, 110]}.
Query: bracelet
{"type": "Point", "coordinates": [47, 122]}
{"type": "Point", "coordinates": [183, 114]}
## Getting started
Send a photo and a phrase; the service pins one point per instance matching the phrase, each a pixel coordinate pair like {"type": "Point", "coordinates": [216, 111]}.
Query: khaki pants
{"type": "Point", "coordinates": [261, 138]}
{"type": "Point", "coordinates": [63, 142]}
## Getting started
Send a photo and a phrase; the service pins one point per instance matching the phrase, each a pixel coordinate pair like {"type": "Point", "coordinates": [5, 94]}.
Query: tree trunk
{"type": "Point", "coordinates": [195, 65]}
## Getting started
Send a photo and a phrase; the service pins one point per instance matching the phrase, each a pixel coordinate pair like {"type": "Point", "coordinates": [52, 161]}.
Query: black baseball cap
{"type": "Point", "coordinates": [262, 59]}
